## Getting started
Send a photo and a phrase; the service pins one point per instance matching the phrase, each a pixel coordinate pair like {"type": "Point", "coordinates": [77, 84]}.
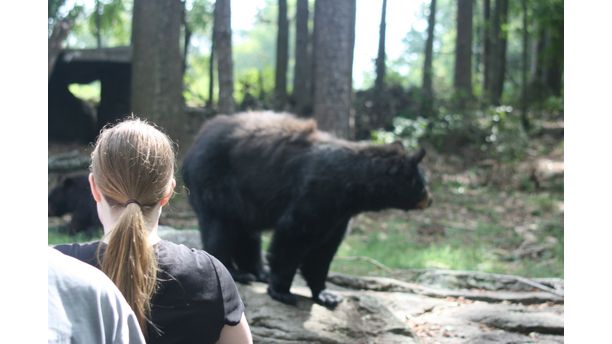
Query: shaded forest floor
{"type": "Point", "coordinates": [487, 216]}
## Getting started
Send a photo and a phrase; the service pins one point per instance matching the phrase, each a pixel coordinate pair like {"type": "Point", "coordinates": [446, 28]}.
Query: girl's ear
{"type": "Point", "coordinates": [166, 198]}
{"type": "Point", "coordinates": [94, 189]}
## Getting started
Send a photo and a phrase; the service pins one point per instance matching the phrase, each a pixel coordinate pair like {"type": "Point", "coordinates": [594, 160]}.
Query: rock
{"type": "Point", "coordinates": [419, 306]}
{"type": "Point", "coordinates": [68, 162]}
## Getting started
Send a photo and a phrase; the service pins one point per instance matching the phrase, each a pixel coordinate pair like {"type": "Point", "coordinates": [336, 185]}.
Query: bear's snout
{"type": "Point", "coordinates": [425, 201]}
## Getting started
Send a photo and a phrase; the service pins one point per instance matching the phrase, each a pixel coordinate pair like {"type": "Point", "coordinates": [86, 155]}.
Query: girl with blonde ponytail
{"type": "Point", "coordinates": [178, 294]}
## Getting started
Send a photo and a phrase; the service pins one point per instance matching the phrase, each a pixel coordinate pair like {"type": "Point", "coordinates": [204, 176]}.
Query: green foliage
{"type": "Point", "coordinates": [408, 131]}
{"type": "Point", "coordinates": [200, 16]}
{"type": "Point", "coordinates": [505, 138]}
{"type": "Point", "coordinates": [58, 11]}
{"type": "Point", "coordinates": [88, 92]}
{"type": "Point", "coordinates": [115, 22]}
{"type": "Point", "coordinates": [196, 81]}
{"type": "Point", "coordinates": [495, 132]}
{"type": "Point", "coordinates": [54, 7]}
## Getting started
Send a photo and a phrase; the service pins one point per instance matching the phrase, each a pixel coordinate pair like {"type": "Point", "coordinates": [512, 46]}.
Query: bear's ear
{"type": "Point", "coordinates": [419, 156]}
{"type": "Point", "coordinates": [398, 144]}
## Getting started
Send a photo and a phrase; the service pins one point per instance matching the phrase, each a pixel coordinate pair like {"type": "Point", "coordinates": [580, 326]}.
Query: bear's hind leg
{"type": "Point", "coordinates": [316, 266]}
{"type": "Point", "coordinates": [284, 256]}
{"type": "Point", "coordinates": [219, 240]}
{"type": "Point", "coordinates": [248, 255]}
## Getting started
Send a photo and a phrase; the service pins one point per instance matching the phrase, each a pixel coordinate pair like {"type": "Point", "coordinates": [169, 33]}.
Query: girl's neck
{"type": "Point", "coordinates": [151, 224]}
{"type": "Point", "coordinates": [153, 236]}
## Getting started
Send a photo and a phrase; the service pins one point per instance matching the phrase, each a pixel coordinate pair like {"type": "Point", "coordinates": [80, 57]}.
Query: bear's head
{"type": "Point", "coordinates": [406, 179]}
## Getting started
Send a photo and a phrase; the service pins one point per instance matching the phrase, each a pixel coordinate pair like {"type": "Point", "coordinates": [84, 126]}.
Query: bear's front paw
{"type": "Point", "coordinates": [327, 299]}
{"type": "Point", "coordinates": [262, 275]}
{"type": "Point", "coordinates": [286, 298]}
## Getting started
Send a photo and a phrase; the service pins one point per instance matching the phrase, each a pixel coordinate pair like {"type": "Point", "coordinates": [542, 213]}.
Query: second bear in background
{"type": "Point", "coordinates": [72, 195]}
{"type": "Point", "coordinates": [255, 171]}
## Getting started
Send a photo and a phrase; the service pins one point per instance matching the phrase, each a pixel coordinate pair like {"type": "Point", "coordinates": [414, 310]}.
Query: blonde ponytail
{"type": "Point", "coordinates": [130, 262]}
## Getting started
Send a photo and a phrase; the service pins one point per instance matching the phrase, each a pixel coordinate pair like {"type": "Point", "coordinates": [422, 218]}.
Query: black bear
{"type": "Point", "coordinates": [73, 195]}
{"type": "Point", "coordinates": [261, 170]}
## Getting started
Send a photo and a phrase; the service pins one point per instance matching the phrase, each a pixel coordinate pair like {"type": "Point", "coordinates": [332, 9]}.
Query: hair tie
{"type": "Point", "coordinates": [132, 201]}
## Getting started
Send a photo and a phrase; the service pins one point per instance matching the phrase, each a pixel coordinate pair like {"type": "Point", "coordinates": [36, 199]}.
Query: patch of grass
{"type": "Point", "coordinates": [58, 236]}
{"type": "Point", "coordinates": [485, 248]}
{"type": "Point", "coordinates": [479, 234]}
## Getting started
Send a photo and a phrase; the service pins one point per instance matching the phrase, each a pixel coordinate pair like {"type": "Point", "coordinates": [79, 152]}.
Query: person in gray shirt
{"type": "Point", "coordinates": [85, 306]}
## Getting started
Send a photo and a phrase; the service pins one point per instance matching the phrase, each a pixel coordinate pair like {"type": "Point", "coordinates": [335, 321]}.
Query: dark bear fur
{"type": "Point", "coordinates": [254, 171]}
{"type": "Point", "coordinates": [73, 195]}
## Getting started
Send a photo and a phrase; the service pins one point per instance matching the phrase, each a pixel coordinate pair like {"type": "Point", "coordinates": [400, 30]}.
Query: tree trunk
{"type": "Point", "coordinates": [211, 72]}
{"type": "Point", "coordinates": [427, 102]}
{"type": "Point", "coordinates": [157, 78]}
{"type": "Point", "coordinates": [282, 46]}
{"type": "Point", "coordinates": [524, 117]}
{"type": "Point", "coordinates": [98, 18]}
{"type": "Point", "coordinates": [187, 37]}
{"type": "Point", "coordinates": [302, 80]}
{"type": "Point", "coordinates": [380, 59]}
{"type": "Point", "coordinates": [223, 45]}
{"type": "Point", "coordinates": [333, 52]}
{"type": "Point", "coordinates": [58, 35]}
{"type": "Point", "coordinates": [463, 53]}
{"type": "Point", "coordinates": [381, 113]}
{"type": "Point", "coordinates": [487, 54]}
{"type": "Point", "coordinates": [500, 43]}
{"type": "Point", "coordinates": [554, 73]}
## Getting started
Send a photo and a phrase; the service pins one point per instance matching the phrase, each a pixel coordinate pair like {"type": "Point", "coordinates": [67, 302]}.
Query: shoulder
{"type": "Point", "coordinates": [191, 267]}
{"type": "Point", "coordinates": [84, 252]}
{"type": "Point", "coordinates": [74, 276]}
{"type": "Point", "coordinates": [83, 301]}
{"type": "Point", "coordinates": [64, 263]}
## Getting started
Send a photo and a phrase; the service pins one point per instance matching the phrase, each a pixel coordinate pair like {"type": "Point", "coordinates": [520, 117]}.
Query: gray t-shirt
{"type": "Point", "coordinates": [85, 306]}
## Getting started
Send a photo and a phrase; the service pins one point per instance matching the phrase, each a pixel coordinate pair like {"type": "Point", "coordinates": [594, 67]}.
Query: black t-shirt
{"type": "Point", "coordinates": [195, 298]}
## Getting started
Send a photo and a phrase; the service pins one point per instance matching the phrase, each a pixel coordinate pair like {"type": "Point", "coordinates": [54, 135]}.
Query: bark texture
{"type": "Point", "coordinates": [302, 80]}
{"type": "Point", "coordinates": [157, 76]}
{"type": "Point", "coordinates": [282, 56]}
{"type": "Point", "coordinates": [333, 50]}
{"type": "Point", "coordinates": [223, 47]}
{"type": "Point", "coordinates": [427, 102]}
{"type": "Point", "coordinates": [463, 52]}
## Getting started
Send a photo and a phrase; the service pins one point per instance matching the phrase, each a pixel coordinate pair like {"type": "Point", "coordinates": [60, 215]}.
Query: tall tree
{"type": "Point", "coordinates": [211, 71]}
{"type": "Point", "coordinates": [427, 101]}
{"type": "Point", "coordinates": [463, 53]}
{"type": "Point", "coordinates": [157, 78]}
{"type": "Point", "coordinates": [282, 57]}
{"type": "Point", "coordinates": [547, 49]}
{"type": "Point", "coordinates": [381, 116]}
{"type": "Point", "coordinates": [98, 19]}
{"type": "Point", "coordinates": [61, 28]}
{"type": "Point", "coordinates": [380, 58]}
{"type": "Point", "coordinates": [524, 67]}
{"type": "Point", "coordinates": [499, 41]}
{"type": "Point", "coordinates": [488, 38]}
{"type": "Point", "coordinates": [554, 79]}
{"type": "Point", "coordinates": [223, 47]}
{"type": "Point", "coordinates": [302, 79]}
{"type": "Point", "coordinates": [334, 40]}
{"type": "Point", "coordinates": [186, 38]}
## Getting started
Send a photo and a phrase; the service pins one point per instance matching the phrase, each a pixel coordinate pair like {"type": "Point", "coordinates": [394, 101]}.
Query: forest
{"type": "Point", "coordinates": [479, 84]}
